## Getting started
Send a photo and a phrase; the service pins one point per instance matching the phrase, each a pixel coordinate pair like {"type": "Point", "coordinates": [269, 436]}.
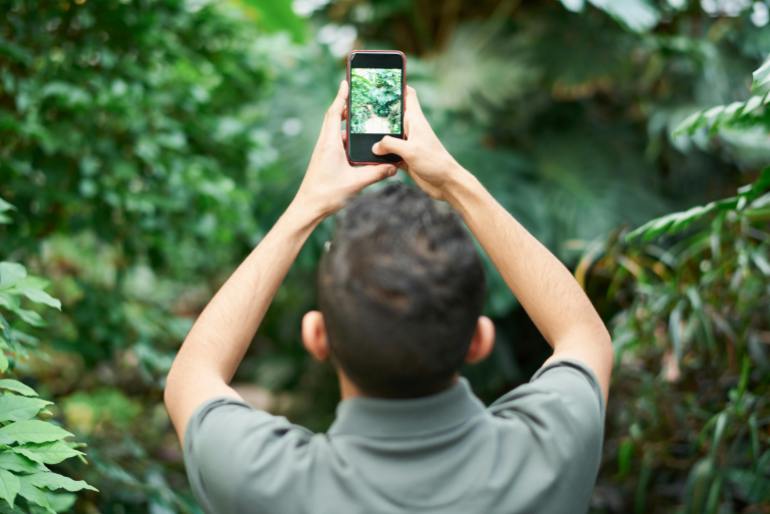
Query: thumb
{"type": "Point", "coordinates": [389, 144]}
{"type": "Point", "coordinates": [371, 174]}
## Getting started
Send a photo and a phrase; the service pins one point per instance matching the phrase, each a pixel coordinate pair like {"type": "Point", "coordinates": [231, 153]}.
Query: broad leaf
{"type": "Point", "coordinates": [31, 431]}
{"type": "Point", "coordinates": [16, 408]}
{"type": "Point", "coordinates": [54, 481]}
{"type": "Point", "coordinates": [10, 273]}
{"type": "Point", "coordinates": [10, 384]}
{"type": "Point", "coordinates": [30, 317]}
{"type": "Point", "coordinates": [47, 453]}
{"type": "Point", "coordinates": [36, 294]}
{"type": "Point", "coordinates": [637, 15]}
{"type": "Point", "coordinates": [9, 486]}
{"type": "Point", "coordinates": [32, 494]}
{"type": "Point", "coordinates": [18, 463]}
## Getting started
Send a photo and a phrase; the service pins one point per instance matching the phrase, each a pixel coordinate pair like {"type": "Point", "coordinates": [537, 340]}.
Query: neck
{"type": "Point", "coordinates": [347, 388]}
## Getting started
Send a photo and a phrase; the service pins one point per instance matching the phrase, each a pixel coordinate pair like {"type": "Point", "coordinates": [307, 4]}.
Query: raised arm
{"type": "Point", "coordinates": [545, 288]}
{"type": "Point", "coordinates": [213, 349]}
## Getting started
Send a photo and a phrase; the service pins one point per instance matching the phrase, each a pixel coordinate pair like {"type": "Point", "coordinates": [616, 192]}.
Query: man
{"type": "Point", "coordinates": [400, 291]}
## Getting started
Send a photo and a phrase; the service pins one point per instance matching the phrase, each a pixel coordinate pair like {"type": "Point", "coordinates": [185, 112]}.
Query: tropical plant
{"type": "Point", "coordinates": [30, 441]}
{"type": "Point", "coordinates": [691, 429]}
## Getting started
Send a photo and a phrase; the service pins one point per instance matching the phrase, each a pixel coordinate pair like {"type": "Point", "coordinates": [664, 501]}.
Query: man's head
{"type": "Point", "coordinates": [401, 289]}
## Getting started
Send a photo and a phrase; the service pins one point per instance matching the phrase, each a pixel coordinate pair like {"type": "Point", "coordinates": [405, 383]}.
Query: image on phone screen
{"type": "Point", "coordinates": [375, 101]}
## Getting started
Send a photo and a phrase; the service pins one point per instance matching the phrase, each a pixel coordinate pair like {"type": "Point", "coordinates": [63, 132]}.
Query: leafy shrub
{"type": "Point", "coordinates": [29, 441]}
{"type": "Point", "coordinates": [688, 424]}
{"type": "Point", "coordinates": [132, 143]}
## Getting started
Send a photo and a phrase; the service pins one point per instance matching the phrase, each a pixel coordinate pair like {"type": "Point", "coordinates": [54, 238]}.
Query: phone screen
{"type": "Point", "coordinates": [375, 103]}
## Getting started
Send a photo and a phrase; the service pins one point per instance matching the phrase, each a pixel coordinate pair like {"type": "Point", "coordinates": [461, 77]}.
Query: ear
{"type": "Point", "coordinates": [314, 335]}
{"type": "Point", "coordinates": [482, 342]}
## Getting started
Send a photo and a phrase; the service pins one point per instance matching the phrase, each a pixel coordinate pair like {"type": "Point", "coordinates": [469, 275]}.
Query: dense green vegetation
{"type": "Point", "coordinates": [375, 93]}
{"type": "Point", "coordinates": [146, 145]}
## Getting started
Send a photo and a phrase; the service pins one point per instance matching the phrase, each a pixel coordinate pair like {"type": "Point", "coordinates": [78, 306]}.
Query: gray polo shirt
{"type": "Point", "coordinates": [535, 450]}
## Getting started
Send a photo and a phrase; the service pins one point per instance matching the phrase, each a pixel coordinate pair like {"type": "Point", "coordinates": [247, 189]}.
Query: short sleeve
{"type": "Point", "coordinates": [569, 379]}
{"type": "Point", "coordinates": [229, 444]}
{"type": "Point", "coordinates": [561, 413]}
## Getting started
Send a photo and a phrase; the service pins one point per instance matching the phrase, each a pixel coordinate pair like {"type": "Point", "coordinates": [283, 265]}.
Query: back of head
{"type": "Point", "coordinates": [400, 288]}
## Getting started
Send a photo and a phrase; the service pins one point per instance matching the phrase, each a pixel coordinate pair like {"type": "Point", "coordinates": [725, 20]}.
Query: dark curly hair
{"type": "Point", "coordinates": [400, 288]}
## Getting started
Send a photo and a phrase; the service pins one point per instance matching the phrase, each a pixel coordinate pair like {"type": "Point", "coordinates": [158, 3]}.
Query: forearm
{"type": "Point", "coordinates": [543, 285]}
{"type": "Point", "coordinates": [215, 345]}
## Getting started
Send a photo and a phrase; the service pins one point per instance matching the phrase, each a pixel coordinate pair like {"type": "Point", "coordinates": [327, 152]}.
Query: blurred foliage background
{"type": "Point", "coordinates": [147, 145]}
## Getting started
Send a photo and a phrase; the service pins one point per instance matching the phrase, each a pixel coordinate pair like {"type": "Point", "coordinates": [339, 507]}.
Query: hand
{"type": "Point", "coordinates": [425, 159]}
{"type": "Point", "coordinates": [330, 179]}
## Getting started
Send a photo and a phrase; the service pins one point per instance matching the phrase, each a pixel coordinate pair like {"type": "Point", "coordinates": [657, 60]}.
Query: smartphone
{"type": "Point", "coordinates": [377, 80]}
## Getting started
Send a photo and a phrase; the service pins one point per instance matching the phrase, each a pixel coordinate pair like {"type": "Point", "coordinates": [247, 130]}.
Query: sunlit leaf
{"type": "Point", "coordinates": [10, 273]}
{"type": "Point", "coordinates": [32, 494]}
{"type": "Point", "coordinates": [55, 481]}
{"type": "Point", "coordinates": [17, 408]}
{"type": "Point", "coordinates": [9, 486]}
{"type": "Point", "coordinates": [10, 384]}
{"type": "Point", "coordinates": [18, 463]}
{"type": "Point", "coordinates": [31, 431]}
{"type": "Point", "coordinates": [47, 453]}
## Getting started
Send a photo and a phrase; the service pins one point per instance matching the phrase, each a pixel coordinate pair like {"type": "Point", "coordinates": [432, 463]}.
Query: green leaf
{"type": "Point", "coordinates": [47, 453]}
{"type": "Point", "coordinates": [60, 502]}
{"type": "Point", "coordinates": [637, 15]}
{"type": "Point", "coordinates": [32, 494]}
{"type": "Point", "coordinates": [49, 480]}
{"type": "Point", "coordinates": [9, 486]}
{"type": "Point", "coordinates": [625, 454]}
{"type": "Point", "coordinates": [40, 296]}
{"type": "Point", "coordinates": [675, 330]}
{"type": "Point", "coordinates": [18, 463]}
{"type": "Point", "coordinates": [5, 207]}
{"type": "Point", "coordinates": [3, 361]}
{"type": "Point", "coordinates": [31, 431]}
{"type": "Point", "coordinates": [277, 15]}
{"type": "Point", "coordinates": [573, 5]}
{"type": "Point", "coordinates": [16, 408]}
{"type": "Point", "coordinates": [10, 273]}
{"type": "Point", "coordinates": [30, 317]}
{"type": "Point", "coordinates": [719, 430]}
{"type": "Point", "coordinates": [10, 384]}
{"type": "Point", "coordinates": [761, 79]}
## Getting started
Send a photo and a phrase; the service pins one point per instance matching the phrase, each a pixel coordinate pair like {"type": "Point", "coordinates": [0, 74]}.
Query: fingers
{"type": "Point", "coordinates": [335, 110]}
{"type": "Point", "coordinates": [389, 144]}
{"type": "Point", "coordinates": [371, 174]}
{"type": "Point", "coordinates": [411, 100]}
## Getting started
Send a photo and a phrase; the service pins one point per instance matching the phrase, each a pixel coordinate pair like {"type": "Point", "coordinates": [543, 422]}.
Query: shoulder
{"type": "Point", "coordinates": [562, 408]}
{"type": "Point", "coordinates": [235, 453]}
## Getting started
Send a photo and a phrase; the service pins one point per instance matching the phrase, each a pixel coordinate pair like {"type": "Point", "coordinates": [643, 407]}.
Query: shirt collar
{"type": "Point", "coordinates": [378, 417]}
